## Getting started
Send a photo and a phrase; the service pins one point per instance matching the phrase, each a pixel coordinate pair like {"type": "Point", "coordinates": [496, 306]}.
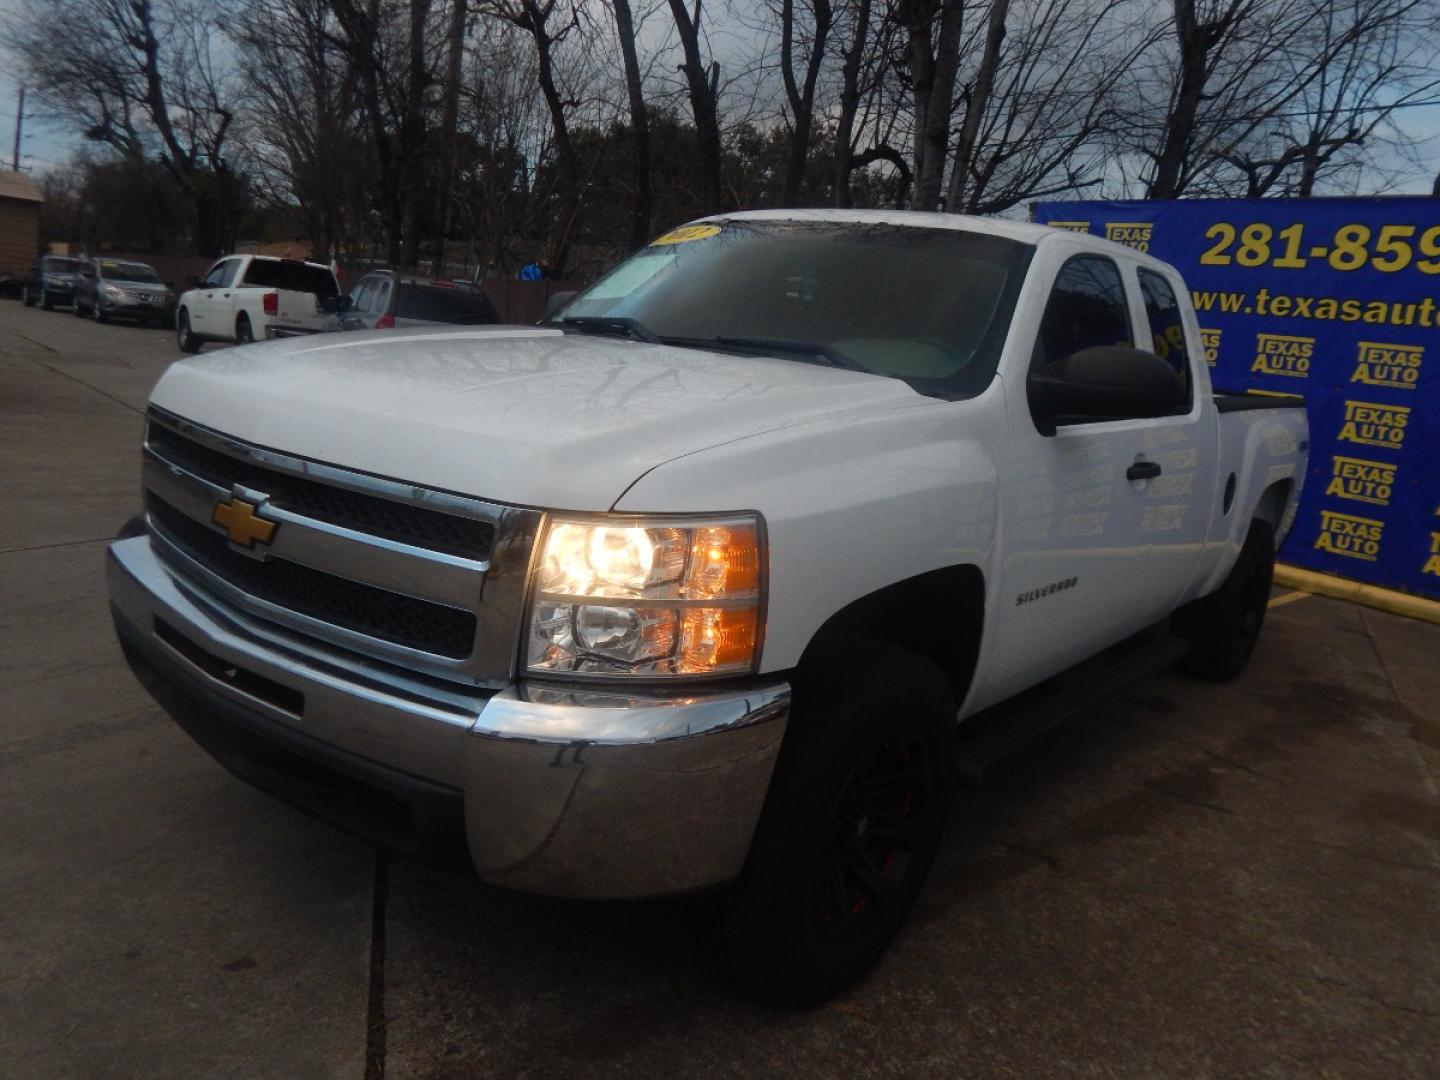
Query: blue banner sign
{"type": "Point", "coordinates": [1337, 301]}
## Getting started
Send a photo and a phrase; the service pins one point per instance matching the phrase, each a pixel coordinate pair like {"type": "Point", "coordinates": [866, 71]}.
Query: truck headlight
{"type": "Point", "coordinates": [647, 597]}
{"type": "Point", "coordinates": [113, 291]}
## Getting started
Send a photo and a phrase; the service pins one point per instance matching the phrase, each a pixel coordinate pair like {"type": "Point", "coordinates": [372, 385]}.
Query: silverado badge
{"type": "Point", "coordinates": [238, 519]}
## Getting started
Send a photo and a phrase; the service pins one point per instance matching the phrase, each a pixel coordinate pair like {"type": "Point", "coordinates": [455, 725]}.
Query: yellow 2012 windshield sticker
{"type": "Point", "coordinates": [686, 233]}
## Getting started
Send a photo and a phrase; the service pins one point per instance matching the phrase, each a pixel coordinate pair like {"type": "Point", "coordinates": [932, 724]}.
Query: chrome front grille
{"type": "Point", "coordinates": [403, 522]}
{"type": "Point", "coordinates": [426, 579]}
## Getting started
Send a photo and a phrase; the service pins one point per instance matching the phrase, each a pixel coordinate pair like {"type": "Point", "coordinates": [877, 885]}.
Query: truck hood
{"type": "Point", "coordinates": [518, 415]}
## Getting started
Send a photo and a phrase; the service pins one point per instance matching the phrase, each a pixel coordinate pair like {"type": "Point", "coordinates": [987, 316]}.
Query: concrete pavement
{"type": "Point", "coordinates": [1188, 880]}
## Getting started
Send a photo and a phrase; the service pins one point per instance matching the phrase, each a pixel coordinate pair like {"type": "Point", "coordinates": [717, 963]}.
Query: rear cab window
{"type": "Point", "coordinates": [436, 303]}
{"type": "Point", "coordinates": [1167, 329]}
{"type": "Point", "coordinates": [291, 276]}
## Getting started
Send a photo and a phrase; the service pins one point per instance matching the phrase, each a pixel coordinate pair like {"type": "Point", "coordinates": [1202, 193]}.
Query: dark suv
{"type": "Point", "coordinates": [382, 300]}
{"type": "Point", "coordinates": [51, 281]}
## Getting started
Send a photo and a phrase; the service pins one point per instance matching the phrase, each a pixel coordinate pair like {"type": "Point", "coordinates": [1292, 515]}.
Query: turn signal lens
{"type": "Point", "coordinates": [647, 598]}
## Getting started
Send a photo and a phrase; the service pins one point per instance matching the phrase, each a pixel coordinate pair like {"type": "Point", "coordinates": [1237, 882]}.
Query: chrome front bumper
{"type": "Point", "coordinates": [560, 791]}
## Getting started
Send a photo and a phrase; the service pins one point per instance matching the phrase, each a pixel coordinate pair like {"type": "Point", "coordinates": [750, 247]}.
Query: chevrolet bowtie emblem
{"type": "Point", "coordinates": [237, 518]}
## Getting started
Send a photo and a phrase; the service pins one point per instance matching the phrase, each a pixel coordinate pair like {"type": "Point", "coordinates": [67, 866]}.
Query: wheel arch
{"type": "Point", "coordinates": [897, 614]}
{"type": "Point", "coordinates": [1271, 507]}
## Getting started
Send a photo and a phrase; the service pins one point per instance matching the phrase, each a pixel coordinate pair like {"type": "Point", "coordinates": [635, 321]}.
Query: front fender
{"type": "Point", "coordinates": [851, 505]}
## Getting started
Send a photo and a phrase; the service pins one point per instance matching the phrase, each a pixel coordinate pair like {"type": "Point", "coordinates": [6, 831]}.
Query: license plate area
{"type": "Point", "coordinates": [249, 683]}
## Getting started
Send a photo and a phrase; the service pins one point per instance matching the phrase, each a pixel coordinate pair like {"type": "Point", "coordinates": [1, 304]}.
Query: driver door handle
{"type": "Point", "coordinates": [1143, 470]}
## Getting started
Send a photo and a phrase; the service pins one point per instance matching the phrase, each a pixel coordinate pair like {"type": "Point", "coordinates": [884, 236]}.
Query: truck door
{"type": "Point", "coordinates": [1078, 570]}
{"type": "Point", "coordinates": [212, 298]}
{"type": "Point", "coordinates": [1179, 503]}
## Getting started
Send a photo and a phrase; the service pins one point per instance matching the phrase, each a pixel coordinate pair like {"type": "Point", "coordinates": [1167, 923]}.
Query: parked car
{"type": "Point", "coordinates": [119, 289]}
{"type": "Point", "coordinates": [51, 282]}
{"type": "Point", "coordinates": [722, 576]}
{"type": "Point", "coordinates": [383, 300]}
{"type": "Point", "coordinates": [245, 298]}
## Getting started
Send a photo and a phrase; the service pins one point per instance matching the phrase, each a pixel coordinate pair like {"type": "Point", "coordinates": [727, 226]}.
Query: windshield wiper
{"type": "Point", "coordinates": [609, 324]}
{"type": "Point", "coordinates": [805, 348]}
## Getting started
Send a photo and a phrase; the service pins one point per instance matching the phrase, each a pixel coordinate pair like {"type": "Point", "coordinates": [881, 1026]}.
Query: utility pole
{"type": "Point", "coordinates": [19, 123]}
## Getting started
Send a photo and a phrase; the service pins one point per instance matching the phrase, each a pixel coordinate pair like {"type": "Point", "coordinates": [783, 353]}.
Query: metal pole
{"type": "Point", "coordinates": [19, 123]}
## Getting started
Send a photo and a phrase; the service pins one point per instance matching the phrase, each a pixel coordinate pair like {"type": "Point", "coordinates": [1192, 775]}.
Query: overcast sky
{"type": "Point", "coordinates": [45, 147]}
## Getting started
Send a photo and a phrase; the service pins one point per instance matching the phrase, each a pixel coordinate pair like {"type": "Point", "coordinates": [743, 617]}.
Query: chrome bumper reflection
{"type": "Point", "coordinates": [566, 792]}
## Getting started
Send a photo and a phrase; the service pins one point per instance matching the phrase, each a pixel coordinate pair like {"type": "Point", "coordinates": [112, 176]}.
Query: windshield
{"type": "Point", "coordinates": [292, 276]}
{"type": "Point", "coordinates": [929, 306]}
{"type": "Point", "coordinates": [128, 271]}
{"type": "Point", "coordinates": [56, 265]}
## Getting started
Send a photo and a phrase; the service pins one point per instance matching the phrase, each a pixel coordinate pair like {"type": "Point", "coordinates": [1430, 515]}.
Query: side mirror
{"type": "Point", "coordinates": [192, 281]}
{"type": "Point", "coordinates": [1107, 382]}
{"type": "Point", "coordinates": [556, 302]}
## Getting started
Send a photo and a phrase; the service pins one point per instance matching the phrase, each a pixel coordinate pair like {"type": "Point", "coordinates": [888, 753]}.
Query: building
{"type": "Point", "coordinates": [20, 203]}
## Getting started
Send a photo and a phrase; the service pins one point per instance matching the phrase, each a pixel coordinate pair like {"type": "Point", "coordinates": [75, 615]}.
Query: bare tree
{"type": "Point", "coordinates": [142, 79]}
{"type": "Point", "coordinates": [851, 92]}
{"type": "Point", "coordinates": [976, 96]}
{"type": "Point", "coordinates": [1356, 63]}
{"type": "Point", "coordinates": [363, 33]}
{"type": "Point", "coordinates": [933, 56]}
{"type": "Point", "coordinates": [301, 99]}
{"type": "Point", "coordinates": [702, 83]}
{"type": "Point", "coordinates": [450, 117]}
{"type": "Point", "coordinates": [642, 207]}
{"type": "Point", "coordinates": [800, 92]}
{"type": "Point", "coordinates": [534, 17]}
{"type": "Point", "coordinates": [1043, 102]}
{"type": "Point", "coordinates": [1223, 87]}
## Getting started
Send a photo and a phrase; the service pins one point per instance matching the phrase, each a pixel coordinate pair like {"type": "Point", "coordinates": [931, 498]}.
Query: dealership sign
{"type": "Point", "coordinates": [1337, 301]}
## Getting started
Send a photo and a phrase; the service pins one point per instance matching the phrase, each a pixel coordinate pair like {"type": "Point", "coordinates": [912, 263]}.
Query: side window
{"type": "Point", "coordinates": [231, 267]}
{"type": "Point", "coordinates": [381, 302]}
{"type": "Point", "coordinates": [1167, 332]}
{"type": "Point", "coordinates": [360, 296]}
{"type": "Point", "coordinates": [1086, 308]}
{"type": "Point", "coordinates": [213, 279]}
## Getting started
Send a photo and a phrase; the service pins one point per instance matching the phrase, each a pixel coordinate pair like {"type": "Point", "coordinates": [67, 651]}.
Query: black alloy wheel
{"type": "Point", "coordinates": [851, 823]}
{"type": "Point", "coordinates": [1224, 627]}
{"type": "Point", "coordinates": [875, 827]}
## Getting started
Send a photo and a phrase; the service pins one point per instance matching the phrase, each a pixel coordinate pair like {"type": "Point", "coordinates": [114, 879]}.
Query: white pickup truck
{"type": "Point", "coordinates": [719, 578]}
{"type": "Point", "coordinates": [245, 298]}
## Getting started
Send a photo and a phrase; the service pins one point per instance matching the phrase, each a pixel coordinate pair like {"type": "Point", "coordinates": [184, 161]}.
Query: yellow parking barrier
{"type": "Point", "coordinates": [1288, 598]}
{"type": "Point", "coordinates": [1397, 603]}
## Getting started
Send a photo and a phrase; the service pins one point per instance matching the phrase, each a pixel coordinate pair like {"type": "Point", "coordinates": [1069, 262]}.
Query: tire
{"type": "Point", "coordinates": [78, 309]}
{"type": "Point", "coordinates": [98, 313]}
{"type": "Point", "coordinates": [850, 826]}
{"type": "Point", "coordinates": [243, 334]}
{"type": "Point", "coordinates": [1223, 628]}
{"type": "Point", "coordinates": [46, 304]}
{"type": "Point", "coordinates": [187, 341]}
